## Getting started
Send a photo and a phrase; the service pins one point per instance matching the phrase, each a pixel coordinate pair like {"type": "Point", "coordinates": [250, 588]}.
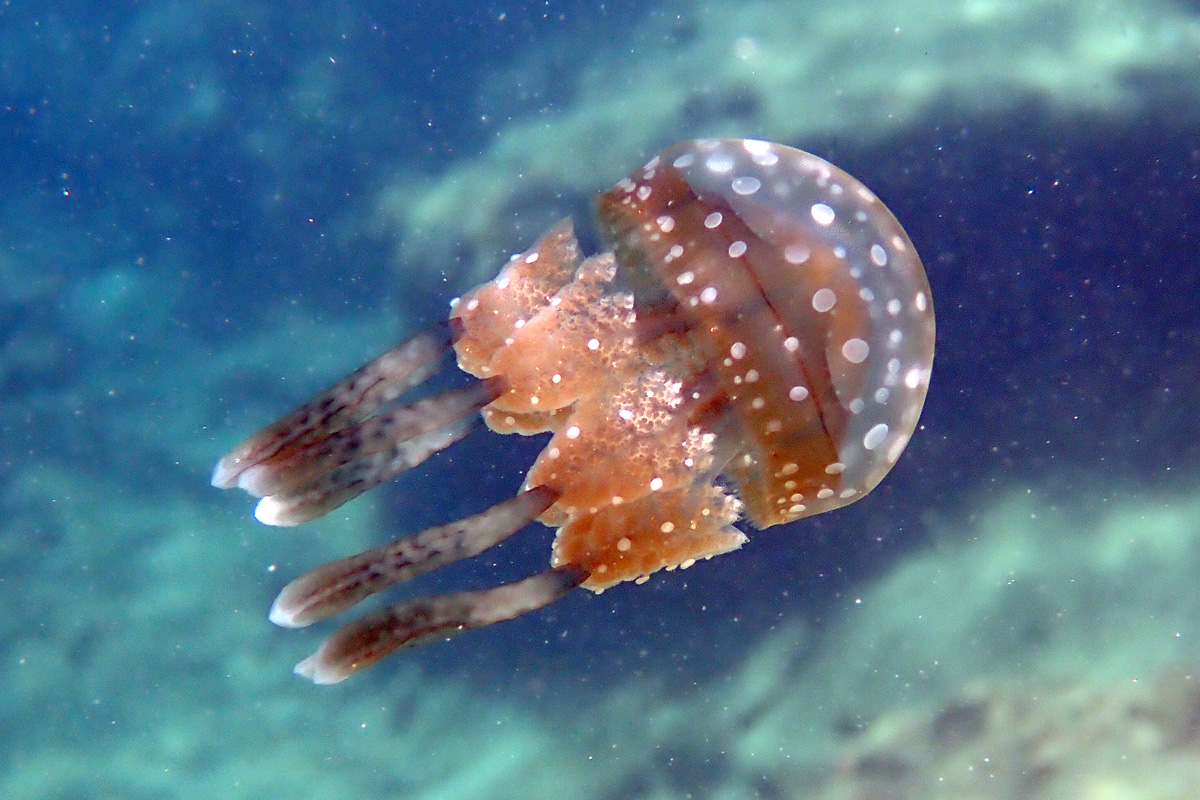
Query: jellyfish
{"type": "Point", "coordinates": [753, 348]}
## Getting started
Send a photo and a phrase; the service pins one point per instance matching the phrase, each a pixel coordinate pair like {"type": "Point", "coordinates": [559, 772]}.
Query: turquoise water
{"type": "Point", "coordinates": [212, 210]}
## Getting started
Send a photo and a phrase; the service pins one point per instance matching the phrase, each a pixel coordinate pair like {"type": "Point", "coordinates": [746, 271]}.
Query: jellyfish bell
{"type": "Point", "coordinates": [757, 345]}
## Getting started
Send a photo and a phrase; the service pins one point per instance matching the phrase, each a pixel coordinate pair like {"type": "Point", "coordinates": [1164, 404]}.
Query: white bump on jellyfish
{"type": "Point", "coordinates": [593, 344]}
{"type": "Point", "coordinates": [719, 163]}
{"type": "Point", "coordinates": [791, 344]}
{"type": "Point", "coordinates": [656, 484]}
{"type": "Point", "coordinates": [531, 258]}
{"type": "Point", "coordinates": [878, 255]}
{"type": "Point", "coordinates": [643, 192]}
{"type": "Point", "coordinates": [685, 278]}
{"type": "Point", "coordinates": [824, 493]}
{"type": "Point", "coordinates": [708, 295]}
{"type": "Point", "coordinates": [866, 295]}
{"type": "Point", "coordinates": [758, 404]}
{"type": "Point", "coordinates": [738, 350]}
{"type": "Point", "coordinates": [757, 147]}
{"type": "Point", "coordinates": [666, 223]}
{"type": "Point", "coordinates": [824, 299]}
{"type": "Point", "coordinates": [856, 405]}
{"type": "Point", "coordinates": [268, 512]}
{"type": "Point", "coordinates": [875, 436]}
{"type": "Point", "coordinates": [882, 394]}
{"type": "Point", "coordinates": [684, 161]}
{"type": "Point", "coordinates": [798, 393]}
{"type": "Point", "coordinates": [768, 159]}
{"type": "Point", "coordinates": [796, 254]}
{"type": "Point", "coordinates": [675, 252]}
{"type": "Point", "coordinates": [624, 544]}
{"type": "Point", "coordinates": [822, 214]}
{"type": "Point", "coordinates": [840, 252]}
{"type": "Point", "coordinates": [836, 468]}
{"type": "Point", "coordinates": [895, 336]}
{"type": "Point", "coordinates": [713, 220]}
{"type": "Point", "coordinates": [912, 379]}
{"type": "Point", "coordinates": [856, 350]}
{"type": "Point", "coordinates": [573, 432]}
{"type": "Point", "coordinates": [737, 249]}
{"type": "Point", "coordinates": [745, 185]}
{"type": "Point", "coordinates": [921, 301]}
{"type": "Point", "coordinates": [667, 527]}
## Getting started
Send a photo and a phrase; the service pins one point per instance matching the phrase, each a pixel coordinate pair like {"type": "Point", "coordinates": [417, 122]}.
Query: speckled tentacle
{"type": "Point", "coordinates": [325, 493]}
{"type": "Point", "coordinates": [291, 470]}
{"type": "Point", "coordinates": [335, 587]}
{"type": "Point", "coordinates": [350, 400]}
{"type": "Point", "coordinates": [364, 641]}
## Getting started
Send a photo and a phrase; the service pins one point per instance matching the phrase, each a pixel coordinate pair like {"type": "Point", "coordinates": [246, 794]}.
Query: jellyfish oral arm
{"type": "Point", "coordinates": [364, 641]}
{"type": "Point", "coordinates": [337, 446]}
{"type": "Point", "coordinates": [331, 449]}
{"type": "Point", "coordinates": [335, 587]}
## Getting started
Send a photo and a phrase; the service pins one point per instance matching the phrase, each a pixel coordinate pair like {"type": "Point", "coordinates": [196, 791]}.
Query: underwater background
{"type": "Point", "coordinates": [212, 209]}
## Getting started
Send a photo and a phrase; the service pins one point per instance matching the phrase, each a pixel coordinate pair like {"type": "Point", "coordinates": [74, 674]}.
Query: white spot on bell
{"type": "Point", "coordinates": [856, 350]}
{"type": "Point", "coordinates": [822, 214]}
{"type": "Point", "coordinates": [796, 254]}
{"type": "Point", "coordinates": [824, 299]}
{"type": "Point", "coordinates": [745, 185]}
{"type": "Point", "coordinates": [719, 163]}
{"type": "Point", "coordinates": [875, 436]}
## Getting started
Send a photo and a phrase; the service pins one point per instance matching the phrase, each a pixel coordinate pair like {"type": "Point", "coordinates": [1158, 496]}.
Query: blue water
{"type": "Point", "coordinates": [212, 210]}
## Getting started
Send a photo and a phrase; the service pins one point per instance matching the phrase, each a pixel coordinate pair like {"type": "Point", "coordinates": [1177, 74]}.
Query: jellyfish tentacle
{"type": "Point", "coordinates": [326, 492]}
{"type": "Point", "coordinates": [292, 469]}
{"type": "Point", "coordinates": [335, 587]}
{"type": "Point", "coordinates": [364, 641]}
{"type": "Point", "coordinates": [350, 400]}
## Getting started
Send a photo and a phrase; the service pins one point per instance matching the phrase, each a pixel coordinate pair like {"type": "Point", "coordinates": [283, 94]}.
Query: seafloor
{"type": "Point", "coordinates": [212, 209]}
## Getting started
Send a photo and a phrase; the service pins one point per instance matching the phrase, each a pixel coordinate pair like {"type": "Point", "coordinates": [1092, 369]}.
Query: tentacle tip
{"type": "Point", "coordinates": [285, 615]}
{"type": "Point", "coordinates": [318, 672]}
{"type": "Point", "coordinates": [225, 474]}
{"type": "Point", "coordinates": [273, 511]}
